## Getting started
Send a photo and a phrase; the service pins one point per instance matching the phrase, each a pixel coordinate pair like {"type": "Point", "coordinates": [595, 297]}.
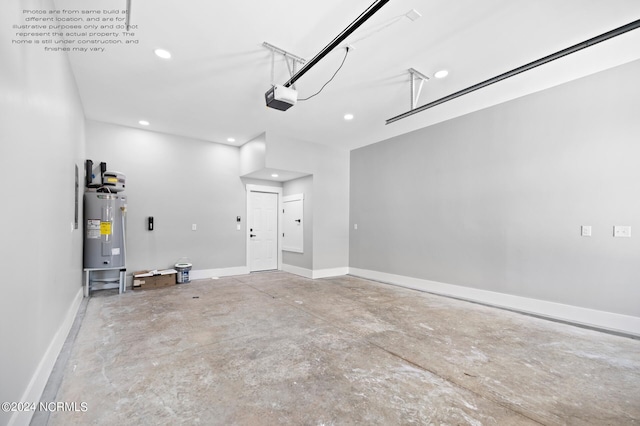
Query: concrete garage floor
{"type": "Point", "coordinates": [277, 349]}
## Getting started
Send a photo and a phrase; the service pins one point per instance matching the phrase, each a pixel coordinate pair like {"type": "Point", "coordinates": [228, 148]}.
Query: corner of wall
{"type": "Point", "coordinates": [253, 155]}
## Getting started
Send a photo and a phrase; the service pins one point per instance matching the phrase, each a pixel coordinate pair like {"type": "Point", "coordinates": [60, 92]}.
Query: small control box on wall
{"type": "Point", "coordinates": [150, 223]}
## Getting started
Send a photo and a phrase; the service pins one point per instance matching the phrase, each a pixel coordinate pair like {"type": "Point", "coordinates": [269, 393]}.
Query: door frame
{"type": "Point", "coordinates": [272, 190]}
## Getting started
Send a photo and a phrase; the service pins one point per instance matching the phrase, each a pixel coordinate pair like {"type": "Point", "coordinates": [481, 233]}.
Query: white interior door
{"type": "Point", "coordinates": [263, 231]}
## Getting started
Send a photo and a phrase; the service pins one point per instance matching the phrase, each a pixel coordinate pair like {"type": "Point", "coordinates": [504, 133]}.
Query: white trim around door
{"type": "Point", "coordinates": [272, 190]}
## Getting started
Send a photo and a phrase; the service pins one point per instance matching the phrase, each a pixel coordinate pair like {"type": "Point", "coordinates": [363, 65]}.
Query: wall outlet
{"type": "Point", "coordinates": [622, 231]}
{"type": "Point", "coordinates": [194, 227]}
{"type": "Point", "coordinates": [586, 231]}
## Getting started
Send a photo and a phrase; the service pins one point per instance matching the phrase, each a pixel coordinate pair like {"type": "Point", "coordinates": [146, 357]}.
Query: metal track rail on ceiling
{"type": "Point", "coordinates": [557, 55]}
{"type": "Point", "coordinates": [336, 41]}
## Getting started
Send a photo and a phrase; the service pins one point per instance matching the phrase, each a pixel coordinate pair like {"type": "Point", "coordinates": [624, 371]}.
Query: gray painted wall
{"type": "Point", "coordinates": [179, 181]}
{"type": "Point", "coordinates": [41, 142]}
{"type": "Point", "coordinates": [495, 199]}
{"type": "Point", "coordinates": [330, 169]}
{"type": "Point", "coordinates": [253, 155]}
{"type": "Point", "coordinates": [302, 186]}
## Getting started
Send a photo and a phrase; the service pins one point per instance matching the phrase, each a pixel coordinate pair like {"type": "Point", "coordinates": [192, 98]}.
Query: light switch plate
{"type": "Point", "coordinates": [586, 231]}
{"type": "Point", "coordinates": [622, 231]}
{"type": "Point", "coordinates": [194, 227]}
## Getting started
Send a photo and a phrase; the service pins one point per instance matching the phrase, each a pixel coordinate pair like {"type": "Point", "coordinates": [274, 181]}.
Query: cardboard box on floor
{"type": "Point", "coordinates": [154, 279]}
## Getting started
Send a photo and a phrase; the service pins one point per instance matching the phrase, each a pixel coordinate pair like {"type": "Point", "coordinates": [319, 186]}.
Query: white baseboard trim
{"type": "Point", "coordinates": [201, 274]}
{"type": "Point", "coordinates": [296, 270]}
{"type": "Point", "coordinates": [584, 316]}
{"type": "Point", "coordinates": [331, 272]}
{"type": "Point", "coordinates": [41, 375]}
{"type": "Point", "coordinates": [317, 273]}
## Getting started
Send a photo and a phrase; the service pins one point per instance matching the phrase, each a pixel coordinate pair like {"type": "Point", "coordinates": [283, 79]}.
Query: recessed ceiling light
{"type": "Point", "coordinates": [231, 140]}
{"type": "Point", "coordinates": [274, 175]}
{"type": "Point", "coordinates": [441, 74]}
{"type": "Point", "coordinates": [143, 122]}
{"type": "Point", "coordinates": [162, 53]}
{"type": "Point", "coordinates": [348, 117]}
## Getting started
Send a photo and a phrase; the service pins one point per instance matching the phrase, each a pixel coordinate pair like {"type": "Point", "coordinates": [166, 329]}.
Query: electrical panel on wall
{"type": "Point", "coordinates": [293, 223]}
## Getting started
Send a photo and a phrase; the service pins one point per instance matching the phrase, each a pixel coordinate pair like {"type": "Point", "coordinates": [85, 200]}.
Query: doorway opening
{"type": "Point", "coordinates": [264, 241]}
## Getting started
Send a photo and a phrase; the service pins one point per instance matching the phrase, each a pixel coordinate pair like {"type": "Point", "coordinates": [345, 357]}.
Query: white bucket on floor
{"type": "Point", "coordinates": [183, 266]}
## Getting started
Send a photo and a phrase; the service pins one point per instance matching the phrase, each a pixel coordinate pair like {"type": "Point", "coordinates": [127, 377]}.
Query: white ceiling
{"type": "Point", "coordinates": [213, 87]}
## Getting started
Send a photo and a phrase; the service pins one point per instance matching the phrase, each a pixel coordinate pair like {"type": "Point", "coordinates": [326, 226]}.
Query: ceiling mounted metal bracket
{"type": "Point", "coordinates": [531, 65]}
{"type": "Point", "coordinates": [415, 74]}
{"type": "Point", "coordinates": [128, 14]}
{"type": "Point", "coordinates": [292, 67]}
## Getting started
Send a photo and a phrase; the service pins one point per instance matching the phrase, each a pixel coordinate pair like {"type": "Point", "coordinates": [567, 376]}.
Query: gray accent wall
{"type": "Point", "coordinates": [41, 143]}
{"type": "Point", "coordinates": [180, 182]}
{"type": "Point", "coordinates": [495, 200]}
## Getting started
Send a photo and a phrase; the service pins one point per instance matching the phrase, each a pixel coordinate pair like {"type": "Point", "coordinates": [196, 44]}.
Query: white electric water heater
{"type": "Point", "coordinates": [104, 230]}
